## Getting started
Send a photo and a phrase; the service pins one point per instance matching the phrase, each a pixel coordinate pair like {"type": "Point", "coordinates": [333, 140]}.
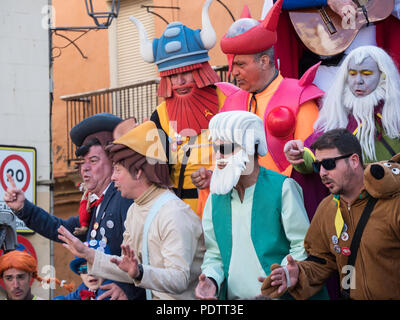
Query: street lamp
{"type": "Point", "coordinates": [107, 17]}
{"type": "Point", "coordinates": [102, 20]}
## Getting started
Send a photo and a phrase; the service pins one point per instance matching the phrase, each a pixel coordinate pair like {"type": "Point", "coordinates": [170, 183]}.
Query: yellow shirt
{"type": "Point", "coordinates": [201, 154]}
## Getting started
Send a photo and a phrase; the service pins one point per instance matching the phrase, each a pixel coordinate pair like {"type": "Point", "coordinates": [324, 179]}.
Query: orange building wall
{"type": "Point", "coordinates": [72, 73]}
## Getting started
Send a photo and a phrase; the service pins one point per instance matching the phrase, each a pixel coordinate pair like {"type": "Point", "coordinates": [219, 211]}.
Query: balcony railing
{"type": "Point", "coordinates": [138, 100]}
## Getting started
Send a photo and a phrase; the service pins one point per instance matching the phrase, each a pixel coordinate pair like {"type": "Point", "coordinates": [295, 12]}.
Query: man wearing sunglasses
{"type": "Point", "coordinates": [253, 218]}
{"type": "Point", "coordinates": [365, 99]}
{"type": "Point", "coordinates": [286, 106]}
{"type": "Point", "coordinates": [373, 273]}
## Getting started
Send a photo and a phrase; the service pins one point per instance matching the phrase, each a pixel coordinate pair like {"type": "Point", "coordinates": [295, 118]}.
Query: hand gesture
{"type": "Point", "coordinates": [113, 291]}
{"type": "Point", "coordinates": [73, 244]}
{"type": "Point", "coordinates": [294, 151]}
{"type": "Point", "coordinates": [201, 178]}
{"type": "Point", "coordinates": [13, 196]}
{"type": "Point", "coordinates": [205, 289]}
{"type": "Point", "coordinates": [281, 279]}
{"type": "Point", "coordinates": [128, 262]}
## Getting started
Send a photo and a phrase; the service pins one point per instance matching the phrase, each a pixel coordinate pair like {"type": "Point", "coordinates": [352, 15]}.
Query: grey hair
{"type": "Point", "coordinates": [270, 52]}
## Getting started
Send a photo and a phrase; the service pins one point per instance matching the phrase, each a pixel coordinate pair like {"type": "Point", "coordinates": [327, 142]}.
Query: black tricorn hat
{"type": "Point", "coordinates": [99, 126]}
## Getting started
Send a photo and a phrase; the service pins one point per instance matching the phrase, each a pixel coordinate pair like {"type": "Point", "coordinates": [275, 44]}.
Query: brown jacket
{"type": "Point", "coordinates": [377, 267]}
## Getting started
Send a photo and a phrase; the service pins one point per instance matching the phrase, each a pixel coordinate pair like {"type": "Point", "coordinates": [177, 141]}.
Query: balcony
{"type": "Point", "coordinates": [138, 100]}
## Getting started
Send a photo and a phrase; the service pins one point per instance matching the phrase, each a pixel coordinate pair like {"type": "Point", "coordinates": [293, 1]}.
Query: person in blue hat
{"type": "Point", "coordinates": [90, 288]}
{"type": "Point", "coordinates": [108, 213]}
{"type": "Point", "coordinates": [191, 98]}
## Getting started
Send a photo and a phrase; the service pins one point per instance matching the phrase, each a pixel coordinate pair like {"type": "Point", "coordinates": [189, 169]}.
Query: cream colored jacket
{"type": "Point", "coordinates": [175, 245]}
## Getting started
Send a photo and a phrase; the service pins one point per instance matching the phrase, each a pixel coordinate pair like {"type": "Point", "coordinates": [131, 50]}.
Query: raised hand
{"type": "Point", "coordinates": [14, 197]}
{"type": "Point", "coordinates": [205, 289]}
{"type": "Point", "coordinates": [73, 244]}
{"type": "Point", "coordinates": [128, 262]}
{"type": "Point", "coordinates": [294, 151]}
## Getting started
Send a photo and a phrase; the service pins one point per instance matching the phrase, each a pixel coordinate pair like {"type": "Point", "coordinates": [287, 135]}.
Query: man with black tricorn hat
{"type": "Point", "coordinates": [108, 214]}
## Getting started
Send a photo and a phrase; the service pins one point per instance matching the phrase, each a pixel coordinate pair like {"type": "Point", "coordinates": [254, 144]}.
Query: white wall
{"type": "Point", "coordinates": [24, 97]}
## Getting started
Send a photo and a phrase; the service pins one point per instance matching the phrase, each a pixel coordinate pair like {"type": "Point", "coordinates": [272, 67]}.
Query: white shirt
{"type": "Point", "coordinates": [245, 268]}
{"type": "Point", "coordinates": [93, 197]}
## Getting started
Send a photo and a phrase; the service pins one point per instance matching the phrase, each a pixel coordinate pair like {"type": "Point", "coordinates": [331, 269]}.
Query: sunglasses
{"type": "Point", "coordinates": [82, 269]}
{"type": "Point", "coordinates": [225, 148]}
{"type": "Point", "coordinates": [328, 164]}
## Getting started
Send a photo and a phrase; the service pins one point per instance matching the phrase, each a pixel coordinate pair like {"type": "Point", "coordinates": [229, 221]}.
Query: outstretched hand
{"type": "Point", "coordinates": [205, 289]}
{"type": "Point", "coordinates": [294, 151]}
{"type": "Point", "coordinates": [73, 244]}
{"type": "Point", "coordinates": [276, 284]}
{"type": "Point", "coordinates": [128, 262]}
{"type": "Point", "coordinates": [113, 291]}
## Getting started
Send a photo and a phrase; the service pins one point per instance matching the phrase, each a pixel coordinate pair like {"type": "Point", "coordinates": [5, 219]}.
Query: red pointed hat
{"type": "Point", "coordinates": [249, 36]}
{"type": "Point", "coordinates": [245, 12]}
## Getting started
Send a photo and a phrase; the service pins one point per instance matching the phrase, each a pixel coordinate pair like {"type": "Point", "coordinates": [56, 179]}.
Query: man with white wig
{"type": "Point", "coordinates": [364, 99]}
{"type": "Point", "coordinates": [253, 218]}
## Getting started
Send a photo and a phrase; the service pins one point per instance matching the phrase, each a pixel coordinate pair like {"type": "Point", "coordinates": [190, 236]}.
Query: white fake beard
{"type": "Point", "coordinates": [223, 180]}
{"type": "Point", "coordinates": [362, 108]}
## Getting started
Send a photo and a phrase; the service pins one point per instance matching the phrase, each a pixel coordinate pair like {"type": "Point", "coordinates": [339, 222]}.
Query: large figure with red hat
{"type": "Point", "coordinates": [191, 99]}
{"type": "Point", "coordinates": [286, 106]}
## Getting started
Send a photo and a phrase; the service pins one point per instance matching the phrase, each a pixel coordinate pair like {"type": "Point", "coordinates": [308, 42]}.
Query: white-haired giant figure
{"type": "Point", "coordinates": [242, 130]}
{"type": "Point", "coordinates": [365, 99]}
{"type": "Point", "coordinates": [253, 218]}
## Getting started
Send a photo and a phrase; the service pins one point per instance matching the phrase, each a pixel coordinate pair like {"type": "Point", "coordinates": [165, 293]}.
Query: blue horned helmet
{"type": "Point", "coordinates": [179, 45]}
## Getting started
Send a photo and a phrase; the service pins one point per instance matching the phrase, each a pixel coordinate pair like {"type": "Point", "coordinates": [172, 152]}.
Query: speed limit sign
{"type": "Point", "coordinates": [20, 163]}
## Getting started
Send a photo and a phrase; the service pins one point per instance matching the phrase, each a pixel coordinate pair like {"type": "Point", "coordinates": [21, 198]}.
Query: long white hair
{"type": "Point", "coordinates": [333, 115]}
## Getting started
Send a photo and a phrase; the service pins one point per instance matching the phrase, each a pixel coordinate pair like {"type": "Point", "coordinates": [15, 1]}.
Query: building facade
{"type": "Point", "coordinates": [25, 116]}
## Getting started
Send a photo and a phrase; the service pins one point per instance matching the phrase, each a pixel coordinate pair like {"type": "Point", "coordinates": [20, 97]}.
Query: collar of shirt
{"type": "Point", "coordinates": [94, 197]}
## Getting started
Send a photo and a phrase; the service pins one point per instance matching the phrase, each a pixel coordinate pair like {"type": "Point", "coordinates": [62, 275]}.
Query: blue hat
{"type": "Point", "coordinates": [179, 46]}
{"type": "Point", "coordinates": [98, 126]}
{"type": "Point", "coordinates": [94, 244]}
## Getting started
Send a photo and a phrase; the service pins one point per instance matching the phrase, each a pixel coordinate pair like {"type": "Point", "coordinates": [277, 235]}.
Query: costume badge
{"type": "Point", "coordinates": [344, 236]}
{"type": "Point", "coordinates": [110, 224]}
{"type": "Point", "coordinates": [346, 251]}
{"type": "Point", "coordinates": [93, 234]}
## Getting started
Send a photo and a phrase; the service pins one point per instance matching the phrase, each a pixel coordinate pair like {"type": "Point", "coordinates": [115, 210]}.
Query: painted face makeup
{"type": "Point", "coordinates": [363, 78]}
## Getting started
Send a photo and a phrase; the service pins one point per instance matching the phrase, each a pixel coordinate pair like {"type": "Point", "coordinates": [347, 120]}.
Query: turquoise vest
{"type": "Point", "coordinates": [267, 233]}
